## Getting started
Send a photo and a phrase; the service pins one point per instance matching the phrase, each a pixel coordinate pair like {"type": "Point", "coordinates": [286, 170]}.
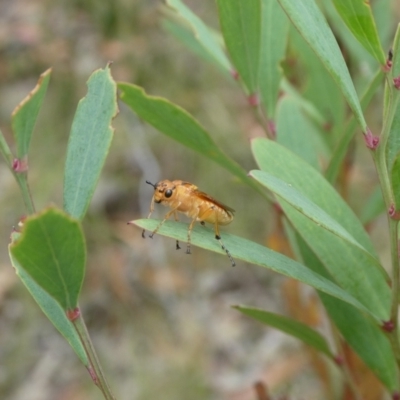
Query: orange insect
{"type": "Point", "coordinates": [184, 197]}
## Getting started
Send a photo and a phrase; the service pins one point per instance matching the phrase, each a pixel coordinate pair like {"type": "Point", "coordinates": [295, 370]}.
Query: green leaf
{"type": "Point", "coordinates": [283, 164]}
{"type": "Point", "coordinates": [25, 115]}
{"type": "Point", "coordinates": [294, 328]}
{"type": "Point", "coordinates": [241, 27]}
{"type": "Point", "coordinates": [395, 180]}
{"type": "Point", "coordinates": [52, 309]}
{"type": "Point", "coordinates": [348, 134]}
{"type": "Point", "coordinates": [21, 178]}
{"type": "Point", "coordinates": [52, 251]}
{"type": "Point", "coordinates": [373, 207]}
{"type": "Point", "coordinates": [351, 267]}
{"type": "Point", "coordinates": [274, 37]}
{"type": "Point", "coordinates": [393, 144]}
{"type": "Point", "coordinates": [306, 207]}
{"type": "Point", "coordinates": [204, 35]}
{"type": "Point", "coordinates": [309, 107]}
{"type": "Point", "coordinates": [392, 121]}
{"type": "Point", "coordinates": [296, 132]}
{"type": "Point", "coordinates": [253, 253]}
{"type": "Point", "coordinates": [5, 151]}
{"type": "Point", "coordinates": [358, 17]}
{"type": "Point", "coordinates": [187, 38]}
{"type": "Point", "coordinates": [364, 336]}
{"type": "Point", "coordinates": [385, 21]}
{"type": "Point", "coordinates": [318, 85]}
{"type": "Point", "coordinates": [356, 55]}
{"type": "Point", "coordinates": [179, 125]}
{"type": "Point", "coordinates": [89, 142]}
{"type": "Point", "coordinates": [309, 21]}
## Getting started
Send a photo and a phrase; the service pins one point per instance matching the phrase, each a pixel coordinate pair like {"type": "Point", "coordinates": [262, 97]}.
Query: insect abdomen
{"type": "Point", "coordinates": [213, 213]}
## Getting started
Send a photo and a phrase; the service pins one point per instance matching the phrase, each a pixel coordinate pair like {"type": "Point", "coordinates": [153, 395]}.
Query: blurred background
{"type": "Point", "coordinates": [161, 320]}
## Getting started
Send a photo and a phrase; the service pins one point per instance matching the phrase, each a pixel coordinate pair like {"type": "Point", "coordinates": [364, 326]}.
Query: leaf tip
{"type": "Point", "coordinates": [37, 87]}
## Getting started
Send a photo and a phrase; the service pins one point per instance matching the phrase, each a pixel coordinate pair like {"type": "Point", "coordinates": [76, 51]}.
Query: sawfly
{"type": "Point", "coordinates": [184, 197]}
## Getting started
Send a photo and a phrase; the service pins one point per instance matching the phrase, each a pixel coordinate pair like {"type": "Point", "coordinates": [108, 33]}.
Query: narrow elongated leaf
{"type": "Point", "coordinates": [21, 178]}
{"type": "Point", "coordinates": [365, 337]}
{"type": "Point", "coordinates": [89, 142]}
{"type": "Point", "coordinates": [352, 268]}
{"type": "Point", "coordinates": [395, 179]}
{"type": "Point", "coordinates": [25, 115]}
{"type": "Point", "coordinates": [186, 36]}
{"type": "Point", "coordinates": [393, 145]}
{"type": "Point", "coordinates": [306, 206]}
{"type": "Point", "coordinates": [5, 150]}
{"type": "Point", "coordinates": [206, 38]}
{"type": "Point", "coordinates": [51, 308]}
{"type": "Point", "coordinates": [348, 134]}
{"type": "Point", "coordinates": [253, 253]}
{"type": "Point", "coordinates": [241, 27]}
{"type": "Point", "coordinates": [282, 163]}
{"type": "Point", "coordinates": [309, 21]}
{"type": "Point", "coordinates": [310, 109]}
{"type": "Point", "coordinates": [274, 36]}
{"type": "Point", "coordinates": [321, 88]}
{"type": "Point", "coordinates": [294, 328]}
{"type": "Point", "coordinates": [296, 132]}
{"type": "Point", "coordinates": [179, 125]}
{"type": "Point", "coordinates": [52, 251]}
{"type": "Point", "coordinates": [373, 207]}
{"type": "Point", "coordinates": [392, 117]}
{"type": "Point", "coordinates": [358, 17]}
{"type": "Point", "coordinates": [356, 54]}
{"type": "Point", "coordinates": [385, 21]}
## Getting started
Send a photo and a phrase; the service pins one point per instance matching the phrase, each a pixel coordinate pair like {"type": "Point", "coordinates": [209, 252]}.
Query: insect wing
{"type": "Point", "coordinates": [207, 197]}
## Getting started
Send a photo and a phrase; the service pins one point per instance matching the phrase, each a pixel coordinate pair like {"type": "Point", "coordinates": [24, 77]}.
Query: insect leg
{"type": "Point", "coordinates": [177, 219]}
{"type": "Point", "coordinates": [189, 237]}
{"type": "Point", "coordinates": [151, 210]}
{"type": "Point", "coordinates": [218, 237]}
{"type": "Point", "coordinates": [167, 215]}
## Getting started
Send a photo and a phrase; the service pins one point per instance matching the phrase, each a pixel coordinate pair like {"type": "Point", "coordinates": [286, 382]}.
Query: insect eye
{"type": "Point", "coordinates": [168, 193]}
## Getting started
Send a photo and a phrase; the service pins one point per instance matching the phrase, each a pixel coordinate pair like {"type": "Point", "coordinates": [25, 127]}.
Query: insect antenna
{"type": "Point", "coordinates": [152, 184]}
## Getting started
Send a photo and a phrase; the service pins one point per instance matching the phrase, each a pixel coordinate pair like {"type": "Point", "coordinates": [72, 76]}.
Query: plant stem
{"type": "Point", "coordinates": [94, 364]}
{"type": "Point", "coordinates": [21, 178]}
{"type": "Point", "coordinates": [393, 228]}
{"type": "Point", "coordinates": [380, 153]}
{"type": "Point", "coordinates": [344, 367]}
{"type": "Point", "coordinates": [382, 167]}
{"type": "Point", "coordinates": [393, 336]}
